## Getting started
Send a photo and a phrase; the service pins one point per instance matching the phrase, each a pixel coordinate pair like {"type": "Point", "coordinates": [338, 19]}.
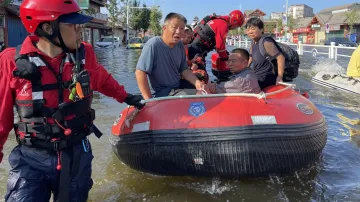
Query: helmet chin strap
{"type": "Point", "coordinates": [56, 33]}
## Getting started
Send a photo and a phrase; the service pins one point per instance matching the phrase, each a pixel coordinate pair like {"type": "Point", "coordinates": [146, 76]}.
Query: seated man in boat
{"type": "Point", "coordinates": [243, 79]}
{"type": "Point", "coordinates": [353, 69]}
{"type": "Point", "coordinates": [196, 65]}
{"type": "Point", "coordinates": [163, 59]}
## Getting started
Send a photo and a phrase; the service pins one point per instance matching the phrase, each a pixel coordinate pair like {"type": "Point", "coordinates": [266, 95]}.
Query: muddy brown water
{"type": "Point", "coordinates": [336, 177]}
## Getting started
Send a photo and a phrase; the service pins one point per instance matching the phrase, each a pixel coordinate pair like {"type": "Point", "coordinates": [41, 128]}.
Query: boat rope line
{"type": "Point", "coordinates": [261, 95]}
{"type": "Point", "coordinates": [326, 77]}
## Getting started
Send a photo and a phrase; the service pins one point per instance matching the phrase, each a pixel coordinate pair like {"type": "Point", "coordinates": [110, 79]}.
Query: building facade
{"type": "Point", "coordinates": [338, 21]}
{"type": "Point", "coordinates": [254, 13]}
{"type": "Point", "coordinates": [318, 27]}
{"type": "Point", "coordinates": [276, 15]}
{"type": "Point", "coordinates": [302, 32]}
{"type": "Point", "coordinates": [12, 31]}
{"type": "Point", "coordinates": [97, 27]}
{"type": "Point", "coordinates": [300, 11]}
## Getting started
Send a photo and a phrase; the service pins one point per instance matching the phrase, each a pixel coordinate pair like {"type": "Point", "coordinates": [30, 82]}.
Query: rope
{"type": "Point", "coordinates": [261, 95]}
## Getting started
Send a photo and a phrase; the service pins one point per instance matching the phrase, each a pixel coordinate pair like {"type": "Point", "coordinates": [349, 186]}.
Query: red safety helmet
{"type": "Point", "coordinates": [236, 19]}
{"type": "Point", "coordinates": [34, 12]}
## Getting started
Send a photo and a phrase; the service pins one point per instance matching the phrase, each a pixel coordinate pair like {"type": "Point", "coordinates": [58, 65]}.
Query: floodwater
{"type": "Point", "coordinates": [336, 177]}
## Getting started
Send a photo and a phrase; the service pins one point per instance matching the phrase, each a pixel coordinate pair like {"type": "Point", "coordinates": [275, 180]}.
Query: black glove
{"type": "Point", "coordinates": [134, 100]}
{"type": "Point", "coordinates": [199, 76]}
{"type": "Point", "coordinates": [227, 53]}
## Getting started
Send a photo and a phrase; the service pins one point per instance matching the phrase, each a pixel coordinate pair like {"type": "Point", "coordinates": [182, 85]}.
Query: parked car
{"type": "Point", "coordinates": [136, 42]}
{"type": "Point", "coordinates": [340, 42]}
{"type": "Point", "coordinates": [283, 40]}
{"type": "Point", "coordinates": [107, 42]}
{"type": "Point", "coordinates": [2, 46]}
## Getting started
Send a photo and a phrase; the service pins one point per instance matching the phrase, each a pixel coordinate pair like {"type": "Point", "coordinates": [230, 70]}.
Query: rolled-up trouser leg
{"type": "Point", "coordinates": [30, 174]}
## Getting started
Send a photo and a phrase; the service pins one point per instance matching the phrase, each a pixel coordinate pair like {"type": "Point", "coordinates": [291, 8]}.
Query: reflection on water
{"type": "Point", "coordinates": [335, 178]}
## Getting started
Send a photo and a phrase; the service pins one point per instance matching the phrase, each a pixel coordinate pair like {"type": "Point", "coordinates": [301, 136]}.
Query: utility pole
{"type": "Point", "coordinates": [287, 12]}
{"type": "Point", "coordinates": [286, 17]}
{"type": "Point", "coordinates": [127, 21]}
{"type": "Point", "coordinates": [163, 8]}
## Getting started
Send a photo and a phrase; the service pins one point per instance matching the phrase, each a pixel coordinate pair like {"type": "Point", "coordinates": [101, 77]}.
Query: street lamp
{"type": "Point", "coordinates": [127, 18]}
{"type": "Point", "coordinates": [286, 28]}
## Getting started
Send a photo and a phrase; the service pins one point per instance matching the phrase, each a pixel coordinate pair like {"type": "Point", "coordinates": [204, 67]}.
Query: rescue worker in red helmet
{"type": "Point", "coordinates": [196, 65]}
{"type": "Point", "coordinates": [50, 79]}
{"type": "Point", "coordinates": [211, 33]}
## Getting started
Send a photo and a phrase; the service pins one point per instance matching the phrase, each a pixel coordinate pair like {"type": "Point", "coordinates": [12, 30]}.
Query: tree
{"type": "Point", "coordinates": [145, 19]}
{"type": "Point", "coordinates": [291, 22]}
{"type": "Point", "coordinates": [238, 31]}
{"type": "Point", "coordinates": [122, 18]}
{"type": "Point", "coordinates": [269, 26]}
{"type": "Point", "coordinates": [279, 24]}
{"type": "Point", "coordinates": [135, 15]}
{"type": "Point", "coordinates": [351, 18]}
{"type": "Point", "coordinates": [90, 11]}
{"type": "Point", "coordinates": [114, 13]}
{"type": "Point", "coordinates": [6, 2]}
{"type": "Point", "coordinates": [155, 17]}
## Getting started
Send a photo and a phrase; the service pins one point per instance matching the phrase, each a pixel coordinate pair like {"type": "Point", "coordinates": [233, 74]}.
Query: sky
{"type": "Point", "coordinates": [201, 8]}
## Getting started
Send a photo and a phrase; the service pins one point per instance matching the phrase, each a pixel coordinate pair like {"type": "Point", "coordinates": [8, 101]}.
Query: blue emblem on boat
{"type": "Point", "coordinates": [196, 109]}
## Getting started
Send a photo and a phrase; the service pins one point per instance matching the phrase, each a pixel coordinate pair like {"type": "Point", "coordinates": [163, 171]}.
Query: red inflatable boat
{"type": "Point", "coordinates": [219, 68]}
{"type": "Point", "coordinates": [228, 135]}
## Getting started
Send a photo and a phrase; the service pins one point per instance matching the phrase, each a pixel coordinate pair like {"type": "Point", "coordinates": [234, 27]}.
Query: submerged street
{"type": "Point", "coordinates": [336, 177]}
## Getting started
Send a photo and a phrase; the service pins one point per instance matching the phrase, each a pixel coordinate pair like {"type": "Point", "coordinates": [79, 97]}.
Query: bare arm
{"type": "Point", "coordinates": [281, 65]}
{"type": "Point", "coordinates": [250, 58]}
{"type": "Point", "coordinates": [142, 80]}
{"type": "Point", "coordinates": [190, 77]}
{"type": "Point", "coordinates": [273, 51]}
{"type": "Point", "coordinates": [250, 61]}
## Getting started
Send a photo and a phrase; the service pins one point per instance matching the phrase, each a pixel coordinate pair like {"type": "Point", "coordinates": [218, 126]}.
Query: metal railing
{"type": "Point", "coordinates": [332, 51]}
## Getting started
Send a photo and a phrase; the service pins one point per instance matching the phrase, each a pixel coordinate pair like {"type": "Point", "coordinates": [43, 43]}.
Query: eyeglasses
{"type": "Point", "coordinates": [251, 28]}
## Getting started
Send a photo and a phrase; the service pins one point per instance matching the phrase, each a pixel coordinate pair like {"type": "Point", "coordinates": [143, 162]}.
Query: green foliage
{"type": "Point", "coordinates": [135, 15]}
{"type": "Point", "coordinates": [114, 12]}
{"type": "Point", "coordinates": [90, 11]}
{"type": "Point", "coordinates": [145, 18]}
{"type": "Point", "coordinates": [6, 2]}
{"type": "Point", "coordinates": [292, 22]}
{"type": "Point", "coordinates": [155, 17]}
{"type": "Point", "coordinates": [238, 31]}
{"type": "Point", "coordinates": [269, 26]}
{"type": "Point", "coordinates": [351, 18]}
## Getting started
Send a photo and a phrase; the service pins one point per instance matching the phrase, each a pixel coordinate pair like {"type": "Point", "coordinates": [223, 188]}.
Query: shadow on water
{"type": "Point", "coordinates": [336, 177]}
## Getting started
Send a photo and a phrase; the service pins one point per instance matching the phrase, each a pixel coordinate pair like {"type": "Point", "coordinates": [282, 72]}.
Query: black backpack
{"type": "Point", "coordinates": [292, 61]}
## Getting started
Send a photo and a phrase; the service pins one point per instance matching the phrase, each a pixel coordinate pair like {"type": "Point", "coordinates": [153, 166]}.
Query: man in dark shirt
{"type": "Point", "coordinates": [263, 69]}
